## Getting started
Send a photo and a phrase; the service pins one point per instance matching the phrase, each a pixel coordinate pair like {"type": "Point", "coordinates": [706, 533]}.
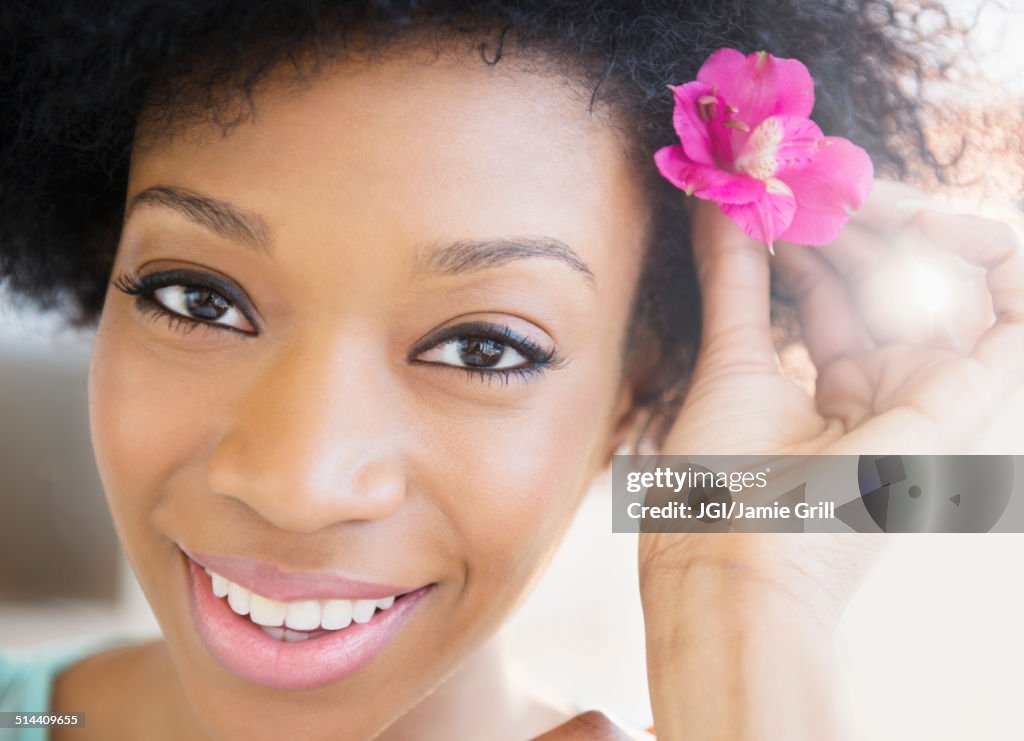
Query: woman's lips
{"type": "Point", "coordinates": [244, 649]}
{"type": "Point", "coordinates": [274, 582]}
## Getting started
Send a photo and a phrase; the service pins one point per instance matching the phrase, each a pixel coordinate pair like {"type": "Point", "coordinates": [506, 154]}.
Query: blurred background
{"type": "Point", "coordinates": [932, 643]}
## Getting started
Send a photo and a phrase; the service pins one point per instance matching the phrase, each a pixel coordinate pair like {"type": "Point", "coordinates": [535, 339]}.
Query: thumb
{"type": "Point", "coordinates": [735, 283]}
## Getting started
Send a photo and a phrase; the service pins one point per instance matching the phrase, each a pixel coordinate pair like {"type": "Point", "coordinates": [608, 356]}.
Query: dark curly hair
{"type": "Point", "coordinates": [75, 78]}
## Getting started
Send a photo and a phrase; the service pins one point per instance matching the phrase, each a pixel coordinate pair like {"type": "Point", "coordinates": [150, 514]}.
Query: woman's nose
{"type": "Point", "coordinates": [314, 441]}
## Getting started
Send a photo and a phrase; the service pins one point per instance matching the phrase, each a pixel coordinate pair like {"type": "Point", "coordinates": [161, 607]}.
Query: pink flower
{"type": "Point", "coordinates": [748, 145]}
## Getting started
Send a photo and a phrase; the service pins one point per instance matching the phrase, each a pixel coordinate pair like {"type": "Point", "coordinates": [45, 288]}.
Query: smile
{"type": "Point", "coordinates": [301, 620]}
{"type": "Point", "coordinates": [299, 643]}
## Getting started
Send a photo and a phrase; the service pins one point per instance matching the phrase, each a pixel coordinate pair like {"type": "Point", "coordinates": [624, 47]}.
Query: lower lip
{"type": "Point", "coordinates": [245, 650]}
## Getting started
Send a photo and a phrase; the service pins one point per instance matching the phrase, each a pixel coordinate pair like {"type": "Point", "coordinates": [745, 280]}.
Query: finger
{"type": "Point", "coordinates": [829, 321]}
{"type": "Point", "coordinates": [907, 290]}
{"type": "Point", "coordinates": [995, 247]}
{"type": "Point", "coordinates": [735, 291]}
{"type": "Point", "coordinates": [868, 239]}
{"type": "Point", "coordinates": [951, 401]}
{"type": "Point", "coordinates": [988, 244]}
{"type": "Point", "coordinates": [589, 726]}
{"type": "Point", "coordinates": [890, 206]}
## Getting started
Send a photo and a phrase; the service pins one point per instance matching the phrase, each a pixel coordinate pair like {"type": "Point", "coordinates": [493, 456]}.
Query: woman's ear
{"type": "Point", "coordinates": [628, 433]}
{"type": "Point", "coordinates": [637, 403]}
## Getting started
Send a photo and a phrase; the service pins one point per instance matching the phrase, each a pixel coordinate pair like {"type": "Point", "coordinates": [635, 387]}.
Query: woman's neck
{"type": "Point", "coordinates": [479, 700]}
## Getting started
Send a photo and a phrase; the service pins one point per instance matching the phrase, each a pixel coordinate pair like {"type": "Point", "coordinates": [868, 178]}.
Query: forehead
{"type": "Point", "coordinates": [413, 149]}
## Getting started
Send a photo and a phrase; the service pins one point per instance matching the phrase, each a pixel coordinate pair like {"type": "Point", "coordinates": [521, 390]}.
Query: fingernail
{"type": "Point", "coordinates": [913, 205]}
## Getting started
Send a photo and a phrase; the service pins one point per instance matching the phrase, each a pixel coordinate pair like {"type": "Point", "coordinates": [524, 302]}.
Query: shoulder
{"type": "Point", "coordinates": [27, 674]}
{"type": "Point", "coordinates": [102, 685]}
{"type": "Point", "coordinates": [31, 679]}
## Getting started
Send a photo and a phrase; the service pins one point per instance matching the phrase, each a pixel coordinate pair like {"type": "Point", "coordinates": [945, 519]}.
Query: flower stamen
{"type": "Point", "coordinates": [707, 107]}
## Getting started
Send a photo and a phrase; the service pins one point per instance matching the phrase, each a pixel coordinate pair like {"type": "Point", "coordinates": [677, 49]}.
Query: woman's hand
{"type": "Point", "coordinates": [739, 626]}
{"type": "Point", "coordinates": [588, 726]}
{"type": "Point", "coordinates": [889, 376]}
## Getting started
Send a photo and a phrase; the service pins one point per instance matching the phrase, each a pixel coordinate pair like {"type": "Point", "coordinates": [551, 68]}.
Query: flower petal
{"type": "Point", "coordinates": [828, 191]}
{"type": "Point", "coordinates": [704, 181]}
{"type": "Point", "coordinates": [760, 85]}
{"type": "Point", "coordinates": [779, 144]}
{"type": "Point", "coordinates": [691, 128]}
{"type": "Point", "coordinates": [766, 218]}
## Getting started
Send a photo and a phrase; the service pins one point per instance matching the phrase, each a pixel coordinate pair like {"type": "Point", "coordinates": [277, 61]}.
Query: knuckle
{"type": "Point", "coordinates": [998, 241]}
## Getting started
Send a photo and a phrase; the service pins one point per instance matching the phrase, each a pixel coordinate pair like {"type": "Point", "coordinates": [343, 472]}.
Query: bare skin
{"type": "Point", "coordinates": [242, 436]}
{"type": "Point", "coordinates": [333, 437]}
{"type": "Point", "coordinates": [740, 627]}
{"type": "Point", "coordinates": [774, 600]}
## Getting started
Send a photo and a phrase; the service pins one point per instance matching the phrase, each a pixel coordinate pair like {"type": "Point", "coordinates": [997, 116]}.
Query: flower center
{"type": "Point", "coordinates": [759, 157]}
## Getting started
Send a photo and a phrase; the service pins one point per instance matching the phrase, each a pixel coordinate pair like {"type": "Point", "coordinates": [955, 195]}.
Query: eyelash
{"type": "Point", "coordinates": [143, 288]}
{"type": "Point", "coordinates": [540, 359]}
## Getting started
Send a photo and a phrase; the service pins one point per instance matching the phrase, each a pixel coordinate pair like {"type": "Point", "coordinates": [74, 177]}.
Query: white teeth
{"type": "Point", "coordinates": [276, 617]}
{"type": "Point", "coordinates": [303, 615]}
{"type": "Point", "coordinates": [220, 585]}
{"type": "Point", "coordinates": [269, 612]}
{"type": "Point", "coordinates": [238, 598]}
{"type": "Point", "coordinates": [363, 610]}
{"type": "Point", "coordinates": [337, 614]}
{"type": "Point", "coordinates": [281, 634]}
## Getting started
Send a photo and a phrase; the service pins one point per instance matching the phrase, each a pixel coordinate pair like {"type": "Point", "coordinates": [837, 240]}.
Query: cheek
{"type": "Point", "coordinates": [149, 420]}
{"type": "Point", "coordinates": [510, 483]}
{"type": "Point", "coordinates": [506, 481]}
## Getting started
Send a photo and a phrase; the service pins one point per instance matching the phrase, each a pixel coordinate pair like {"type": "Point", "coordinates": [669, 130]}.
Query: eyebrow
{"type": "Point", "coordinates": [466, 256]}
{"type": "Point", "coordinates": [218, 216]}
{"type": "Point", "coordinates": [456, 258]}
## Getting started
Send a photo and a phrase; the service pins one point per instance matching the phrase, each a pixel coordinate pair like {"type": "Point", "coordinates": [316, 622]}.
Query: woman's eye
{"type": "Point", "coordinates": [201, 304]}
{"type": "Point", "coordinates": [476, 352]}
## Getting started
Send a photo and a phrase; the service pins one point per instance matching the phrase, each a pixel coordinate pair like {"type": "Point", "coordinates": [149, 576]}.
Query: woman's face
{"type": "Point", "coordinates": [412, 281]}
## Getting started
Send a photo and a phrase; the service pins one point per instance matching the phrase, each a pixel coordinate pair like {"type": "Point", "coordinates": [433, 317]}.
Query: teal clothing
{"type": "Point", "coordinates": [27, 677]}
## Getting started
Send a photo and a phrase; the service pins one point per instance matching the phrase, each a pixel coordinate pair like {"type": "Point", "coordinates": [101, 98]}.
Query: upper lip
{"type": "Point", "coordinates": [275, 582]}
